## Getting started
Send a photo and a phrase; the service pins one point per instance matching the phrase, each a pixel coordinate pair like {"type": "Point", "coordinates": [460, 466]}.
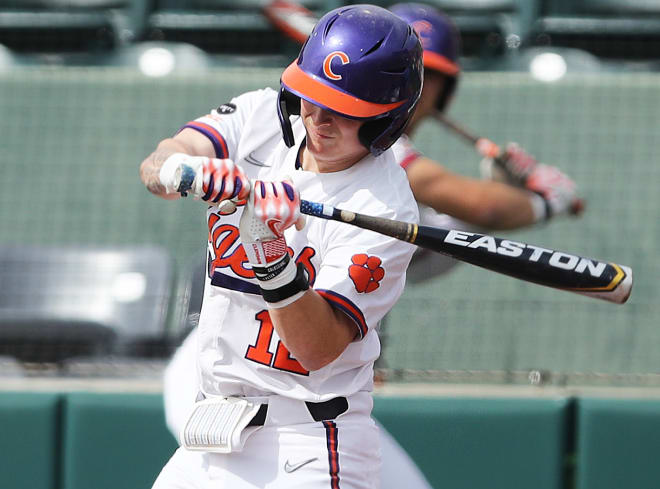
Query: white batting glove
{"type": "Point", "coordinates": [210, 179]}
{"type": "Point", "coordinates": [556, 189]}
{"type": "Point", "coordinates": [271, 208]}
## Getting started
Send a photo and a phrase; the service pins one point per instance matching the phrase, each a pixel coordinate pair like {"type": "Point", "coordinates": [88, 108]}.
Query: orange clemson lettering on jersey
{"type": "Point", "coordinates": [366, 272]}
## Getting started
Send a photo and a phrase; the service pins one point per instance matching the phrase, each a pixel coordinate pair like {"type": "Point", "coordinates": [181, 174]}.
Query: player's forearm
{"type": "Point", "coordinates": [150, 167]}
{"type": "Point", "coordinates": [502, 207]}
{"type": "Point", "coordinates": [313, 331]}
{"type": "Point", "coordinates": [488, 205]}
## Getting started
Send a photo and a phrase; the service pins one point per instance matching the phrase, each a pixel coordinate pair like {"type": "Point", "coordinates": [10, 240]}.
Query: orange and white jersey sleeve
{"type": "Point", "coordinates": [405, 152]}
{"type": "Point", "coordinates": [363, 273]}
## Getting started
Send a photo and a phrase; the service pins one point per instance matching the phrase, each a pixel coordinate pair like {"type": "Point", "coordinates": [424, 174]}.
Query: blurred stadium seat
{"type": "Point", "coordinates": [70, 25]}
{"type": "Point", "coordinates": [485, 25]}
{"type": "Point", "coordinates": [616, 29]}
{"type": "Point", "coordinates": [63, 302]}
{"type": "Point", "coordinates": [488, 27]}
{"type": "Point", "coordinates": [159, 58]}
{"type": "Point", "coordinates": [551, 63]}
{"type": "Point", "coordinates": [222, 26]}
{"type": "Point", "coordinates": [194, 293]}
{"type": "Point", "coordinates": [7, 58]}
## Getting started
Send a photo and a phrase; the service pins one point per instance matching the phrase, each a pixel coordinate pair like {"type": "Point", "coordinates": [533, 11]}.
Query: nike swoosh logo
{"type": "Point", "coordinates": [254, 161]}
{"type": "Point", "coordinates": [288, 468]}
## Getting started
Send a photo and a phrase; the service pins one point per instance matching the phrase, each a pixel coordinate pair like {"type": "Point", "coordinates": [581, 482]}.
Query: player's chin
{"type": "Point", "coordinates": [322, 145]}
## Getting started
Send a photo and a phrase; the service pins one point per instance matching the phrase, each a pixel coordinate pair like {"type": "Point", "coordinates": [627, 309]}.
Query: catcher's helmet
{"type": "Point", "coordinates": [440, 41]}
{"type": "Point", "coordinates": [361, 62]}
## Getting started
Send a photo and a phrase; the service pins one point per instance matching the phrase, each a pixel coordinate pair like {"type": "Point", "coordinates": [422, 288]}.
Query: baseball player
{"type": "Point", "coordinates": [481, 203]}
{"type": "Point", "coordinates": [286, 335]}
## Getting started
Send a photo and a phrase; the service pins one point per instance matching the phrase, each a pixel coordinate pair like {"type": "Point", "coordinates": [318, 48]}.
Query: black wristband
{"type": "Point", "coordinates": [270, 272]}
{"type": "Point", "coordinates": [548, 207]}
{"type": "Point", "coordinates": [299, 284]}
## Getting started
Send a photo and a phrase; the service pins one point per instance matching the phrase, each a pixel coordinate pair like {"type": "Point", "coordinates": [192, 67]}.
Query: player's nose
{"type": "Point", "coordinates": [319, 115]}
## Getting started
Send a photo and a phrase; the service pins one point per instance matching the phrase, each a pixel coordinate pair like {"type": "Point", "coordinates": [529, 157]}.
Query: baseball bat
{"type": "Point", "coordinates": [593, 278]}
{"type": "Point", "coordinates": [292, 19]}
{"type": "Point", "coordinates": [489, 149]}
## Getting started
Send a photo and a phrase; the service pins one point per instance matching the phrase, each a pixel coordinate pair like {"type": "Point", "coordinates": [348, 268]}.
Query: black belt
{"type": "Point", "coordinates": [320, 411]}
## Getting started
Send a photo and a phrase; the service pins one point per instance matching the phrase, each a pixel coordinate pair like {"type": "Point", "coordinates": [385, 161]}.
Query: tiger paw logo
{"type": "Point", "coordinates": [366, 272]}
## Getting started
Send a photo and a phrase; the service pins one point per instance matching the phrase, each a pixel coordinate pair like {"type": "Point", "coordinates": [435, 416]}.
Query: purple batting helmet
{"type": "Point", "coordinates": [440, 40]}
{"type": "Point", "coordinates": [361, 62]}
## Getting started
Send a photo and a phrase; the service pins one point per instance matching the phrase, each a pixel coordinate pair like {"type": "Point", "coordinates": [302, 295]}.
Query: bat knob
{"type": "Point", "coordinates": [577, 207]}
{"type": "Point", "coordinates": [186, 175]}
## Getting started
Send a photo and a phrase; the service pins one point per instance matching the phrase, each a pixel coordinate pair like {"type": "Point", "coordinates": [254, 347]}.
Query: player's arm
{"type": "Point", "coordinates": [187, 142]}
{"type": "Point", "coordinates": [215, 179]}
{"type": "Point", "coordinates": [486, 204]}
{"type": "Point", "coordinates": [313, 331]}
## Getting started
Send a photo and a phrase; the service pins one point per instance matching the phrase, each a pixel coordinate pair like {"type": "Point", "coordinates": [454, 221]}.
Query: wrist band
{"type": "Point", "coordinates": [540, 207]}
{"type": "Point", "coordinates": [271, 271]}
{"type": "Point", "coordinates": [296, 287]}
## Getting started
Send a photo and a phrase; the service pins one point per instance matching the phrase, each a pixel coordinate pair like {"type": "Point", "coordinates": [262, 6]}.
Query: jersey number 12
{"type": "Point", "coordinates": [260, 351]}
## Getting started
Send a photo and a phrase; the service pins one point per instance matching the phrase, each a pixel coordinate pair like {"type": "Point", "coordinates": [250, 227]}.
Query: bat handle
{"type": "Point", "coordinates": [315, 209]}
{"type": "Point", "coordinates": [487, 148]}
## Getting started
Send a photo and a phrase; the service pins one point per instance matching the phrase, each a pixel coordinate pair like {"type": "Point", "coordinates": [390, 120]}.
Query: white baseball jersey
{"type": "Point", "coordinates": [361, 273]}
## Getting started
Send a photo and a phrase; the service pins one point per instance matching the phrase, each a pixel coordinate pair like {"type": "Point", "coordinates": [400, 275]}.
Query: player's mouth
{"type": "Point", "coordinates": [322, 134]}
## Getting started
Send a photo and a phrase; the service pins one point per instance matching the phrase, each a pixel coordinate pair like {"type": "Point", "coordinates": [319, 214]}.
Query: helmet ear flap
{"type": "Point", "coordinates": [287, 105]}
{"type": "Point", "coordinates": [379, 134]}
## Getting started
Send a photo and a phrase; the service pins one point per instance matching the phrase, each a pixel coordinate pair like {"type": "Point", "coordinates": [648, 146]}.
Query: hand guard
{"type": "Point", "coordinates": [271, 208]}
{"type": "Point", "coordinates": [556, 188]}
{"type": "Point", "coordinates": [210, 179]}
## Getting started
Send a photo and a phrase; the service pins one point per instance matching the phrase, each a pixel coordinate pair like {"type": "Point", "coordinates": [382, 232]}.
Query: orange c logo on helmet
{"type": "Point", "coordinates": [327, 69]}
{"type": "Point", "coordinates": [423, 29]}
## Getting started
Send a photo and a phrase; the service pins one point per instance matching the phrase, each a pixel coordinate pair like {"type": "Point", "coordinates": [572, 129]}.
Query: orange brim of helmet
{"type": "Point", "coordinates": [437, 62]}
{"type": "Point", "coordinates": [314, 90]}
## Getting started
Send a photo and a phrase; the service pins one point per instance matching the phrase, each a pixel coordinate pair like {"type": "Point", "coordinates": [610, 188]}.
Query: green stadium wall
{"type": "Point", "coordinates": [115, 440]}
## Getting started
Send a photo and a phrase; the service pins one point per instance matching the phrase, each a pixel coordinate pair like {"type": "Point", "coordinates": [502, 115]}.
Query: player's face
{"type": "Point", "coordinates": [332, 140]}
{"type": "Point", "coordinates": [434, 83]}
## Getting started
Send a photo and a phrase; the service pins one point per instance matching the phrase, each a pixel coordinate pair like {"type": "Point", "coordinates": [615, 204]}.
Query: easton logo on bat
{"type": "Point", "coordinates": [556, 259]}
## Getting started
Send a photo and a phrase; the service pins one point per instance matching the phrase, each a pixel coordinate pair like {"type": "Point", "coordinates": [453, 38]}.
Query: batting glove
{"type": "Point", "coordinates": [556, 189]}
{"type": "Point", "coordinates": [273, 207]}
{"type": "Point", "coordinates": [210, 179]}
{"type": "Point", "coordinates": [516, 165]}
